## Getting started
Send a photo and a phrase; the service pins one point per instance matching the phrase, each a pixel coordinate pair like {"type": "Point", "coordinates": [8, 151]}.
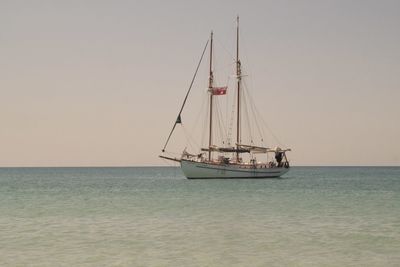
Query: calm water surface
{"type": "Point", "coordinates": [327, 216]}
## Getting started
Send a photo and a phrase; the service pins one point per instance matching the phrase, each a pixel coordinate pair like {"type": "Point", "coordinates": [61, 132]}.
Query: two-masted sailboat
{"type": "Point", "coordinates": [227, 160]}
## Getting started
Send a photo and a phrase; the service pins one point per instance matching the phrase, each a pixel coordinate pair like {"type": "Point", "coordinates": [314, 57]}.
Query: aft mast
{"type": "Point", "coordinates": [210, 89]}
{"type": "Point", "coordinates": [239, 77]}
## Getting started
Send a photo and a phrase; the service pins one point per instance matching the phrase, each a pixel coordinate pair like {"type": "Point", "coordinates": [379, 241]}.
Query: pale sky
{"type": "Point", "coordinates": [99, 83]}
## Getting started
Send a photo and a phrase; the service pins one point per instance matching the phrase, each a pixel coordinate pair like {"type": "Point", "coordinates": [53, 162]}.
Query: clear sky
{"type": "Point", "coordinates": [93, 83]}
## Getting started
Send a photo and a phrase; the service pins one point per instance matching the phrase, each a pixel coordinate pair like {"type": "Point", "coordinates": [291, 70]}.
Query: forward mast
{"type": "Point", "coordinates": [210, 89]}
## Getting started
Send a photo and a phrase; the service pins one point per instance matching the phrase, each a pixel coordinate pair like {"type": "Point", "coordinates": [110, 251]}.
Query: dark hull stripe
{"type": "Point", "coordinates": [239, 170]}
{"type": "Point", "coordinates": [254, 177]}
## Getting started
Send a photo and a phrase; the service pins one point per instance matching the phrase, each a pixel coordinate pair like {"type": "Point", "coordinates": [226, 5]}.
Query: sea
{"type": "Point", "coordinates": [154, 216]}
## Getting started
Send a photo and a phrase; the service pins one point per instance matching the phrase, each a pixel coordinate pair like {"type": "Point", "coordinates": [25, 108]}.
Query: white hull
{"type": "Point", "coordinates": [201, 170]}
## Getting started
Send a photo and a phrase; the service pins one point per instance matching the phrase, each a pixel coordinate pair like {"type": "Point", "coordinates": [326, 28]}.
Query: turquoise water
{"type": "Point", "coordinates": [327, 216]}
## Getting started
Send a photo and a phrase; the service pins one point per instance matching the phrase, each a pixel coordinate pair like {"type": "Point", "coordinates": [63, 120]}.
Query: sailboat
{"type": "Point", "coordinates": [229, 160]}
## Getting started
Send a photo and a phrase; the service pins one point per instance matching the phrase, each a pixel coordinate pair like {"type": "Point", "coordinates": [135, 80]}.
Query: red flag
{"type": "Point", "coordinates": [219, 90]}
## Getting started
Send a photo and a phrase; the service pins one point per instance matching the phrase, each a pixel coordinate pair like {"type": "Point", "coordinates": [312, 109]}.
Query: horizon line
{"type": "Point", "coordinates": [160, 166]}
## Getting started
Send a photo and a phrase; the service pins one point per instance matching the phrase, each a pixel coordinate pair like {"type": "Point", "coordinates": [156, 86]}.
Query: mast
{"type": "Point", "coordinates": [238, 75]}
{"type": "Point", "coordinates": [210, 89]}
